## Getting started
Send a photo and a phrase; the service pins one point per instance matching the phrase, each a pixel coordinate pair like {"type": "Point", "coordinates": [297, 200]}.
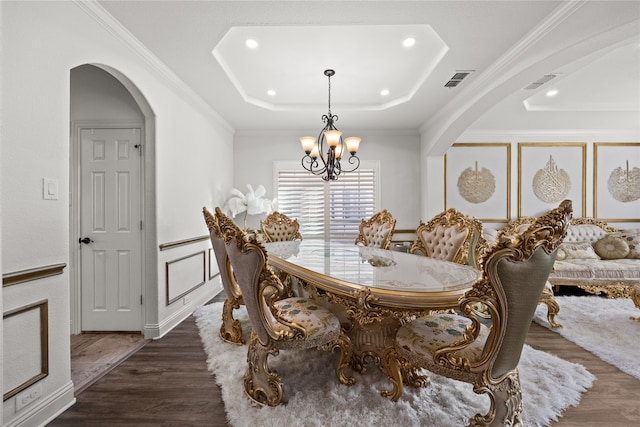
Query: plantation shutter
{"type": "Point", "coordinates": [327, 210]}
{"type": "Point", "coordinates": [352, 199]}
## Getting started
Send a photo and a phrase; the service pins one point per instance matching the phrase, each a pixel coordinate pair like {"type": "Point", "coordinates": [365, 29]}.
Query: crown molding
{"type": "Point", "coordinates": [94, 10]}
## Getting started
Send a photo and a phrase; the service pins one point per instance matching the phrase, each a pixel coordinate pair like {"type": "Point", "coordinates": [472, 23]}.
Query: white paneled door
{"type": "Point", "coordinates": [110, 227]}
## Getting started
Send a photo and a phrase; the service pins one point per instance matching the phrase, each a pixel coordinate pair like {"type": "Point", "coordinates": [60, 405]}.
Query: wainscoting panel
{"type": "Point", "coordinates": [184, 275]}
{"type": "Point", "coordinates": [25, 347]}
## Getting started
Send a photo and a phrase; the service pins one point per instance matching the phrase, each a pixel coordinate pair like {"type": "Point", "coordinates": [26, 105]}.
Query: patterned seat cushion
{"type": "Point", "coordinates": [320, 324]}
{"type": "Point", "coordinates": [423, 336]}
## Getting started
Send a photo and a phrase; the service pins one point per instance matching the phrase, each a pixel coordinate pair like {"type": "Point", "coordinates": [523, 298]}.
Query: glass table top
{"type": "Point", "coordinates": [384, 270]}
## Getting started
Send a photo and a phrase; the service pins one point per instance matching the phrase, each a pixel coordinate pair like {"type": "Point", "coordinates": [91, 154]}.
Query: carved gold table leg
{"type": "Point", "coordinates": [635, 297]}
{"type": "Point", "coordinates": [553, 308]}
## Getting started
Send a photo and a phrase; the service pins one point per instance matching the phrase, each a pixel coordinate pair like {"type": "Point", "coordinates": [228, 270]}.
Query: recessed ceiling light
{"type": "Point", "coordinates": [271, 92]}
{"type": "Point", "coordinates": [251, 43]}
{"type": "Point", "coordinates": [384, 92]}
{"type": "Point", "coordinates": [408, 42]}
{"type": "Point", "coordinates": [552, 92]}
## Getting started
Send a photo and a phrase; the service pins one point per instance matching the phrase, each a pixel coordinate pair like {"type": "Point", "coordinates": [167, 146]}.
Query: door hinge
{"type": "Point", "coordinates": [140, 224]}
{"type": "Point", "coordinates": [140, 299]}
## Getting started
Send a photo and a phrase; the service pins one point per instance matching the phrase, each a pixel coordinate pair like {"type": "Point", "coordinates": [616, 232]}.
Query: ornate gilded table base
{"type": "Point", "coordinates": [372, 330]}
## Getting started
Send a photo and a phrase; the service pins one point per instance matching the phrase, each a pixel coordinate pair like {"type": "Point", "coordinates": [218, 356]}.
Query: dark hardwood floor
{"type": "Point", "coordinates": [166, 383]}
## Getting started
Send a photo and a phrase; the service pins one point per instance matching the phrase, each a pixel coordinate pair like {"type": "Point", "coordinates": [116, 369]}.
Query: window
{"type": "Point", "coordinates": [327, 210]}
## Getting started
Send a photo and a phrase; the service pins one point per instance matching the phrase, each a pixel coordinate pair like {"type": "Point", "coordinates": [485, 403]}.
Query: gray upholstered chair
{"type": "Point", "coordinates": [450, 236]}
{"type": "Point", "coordinates": [547, 298]}
{"type": "Point", "coordinates": [231, 329]}
{"type": "Point", "coordinates": [278, 227]}
{"type": "Point", "coordinates": [277, 322]}
{"type": "Point", "coordinates": [461, 347]}
{"type": "Point", "coordinates": [377, 231]}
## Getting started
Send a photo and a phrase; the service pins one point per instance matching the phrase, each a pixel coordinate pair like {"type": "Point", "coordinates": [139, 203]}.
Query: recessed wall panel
{"type": "Point", "coordinates": [99, 280]}
{"type": "Point", "coordinates": [124, 201]}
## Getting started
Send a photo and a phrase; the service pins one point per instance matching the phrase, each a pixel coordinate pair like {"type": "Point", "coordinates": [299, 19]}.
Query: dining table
{"type": "Point", "coordinates": [372, 290]}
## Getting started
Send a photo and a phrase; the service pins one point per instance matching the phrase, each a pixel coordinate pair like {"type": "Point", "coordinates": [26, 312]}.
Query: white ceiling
{"type": "Point", "coordinates": [593, 48]}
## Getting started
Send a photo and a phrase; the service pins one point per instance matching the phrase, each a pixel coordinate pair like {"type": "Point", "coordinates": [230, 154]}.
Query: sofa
{"type": "Point", "coordinates": [614, 273]}
{"type": "Point", "coordinates": [598, 258]}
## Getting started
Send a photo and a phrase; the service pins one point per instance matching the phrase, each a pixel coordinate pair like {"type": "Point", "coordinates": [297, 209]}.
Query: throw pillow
{"type": "Point", "coordinates": [611, 247]}
{"type": "Point", "coordinates": [576, 250]}
{"type": "Point", "coordinates": [633, 240]}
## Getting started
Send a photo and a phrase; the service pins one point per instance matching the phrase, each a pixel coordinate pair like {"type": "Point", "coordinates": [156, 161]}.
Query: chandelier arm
{"type": "Point", "coordinates": [353, 160]}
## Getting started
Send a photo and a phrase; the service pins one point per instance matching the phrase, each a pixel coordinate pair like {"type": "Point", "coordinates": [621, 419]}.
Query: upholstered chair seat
{"type": "Point", "coordinates": [319, 324]}
{"type": "Point", "coordinates": [278, 321]}
{"type": "Point", "coordinates": [377, 231]}
{"type": "Point", "coordinates": [459, 346]}
{"type": "Point", "coordinates": [422, 337]}
{"type": "Point", "coordinates": [278, 227]}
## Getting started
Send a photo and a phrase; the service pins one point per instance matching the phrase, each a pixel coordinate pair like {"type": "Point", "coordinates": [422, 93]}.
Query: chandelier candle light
{"type": "Point", "coordinates": [330, 167]}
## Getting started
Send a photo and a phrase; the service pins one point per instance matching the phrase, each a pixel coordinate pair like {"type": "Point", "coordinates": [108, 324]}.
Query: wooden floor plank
{"type": "Point", "coordinates": [166, 383]}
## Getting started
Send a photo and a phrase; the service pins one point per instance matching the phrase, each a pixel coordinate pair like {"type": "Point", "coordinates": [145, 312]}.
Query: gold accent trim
{"type": "Point", "coordinates": [635, 297]}
{"type": "Point", "coordinates": [30, 274]}
{"type": "Point", "coordinates": [383, 217]}
{"type": "Point", "coordinates": [277, 220]}
{"type": "Point", "coordinates": [178, 243]}
{"type": "Point", "coordinates": [204, 268]}
{"type": "Point", "coordinates": [507, 145]}
{"type": "Point", "coordinates": [582, 145]}
{"type": "Point", "coordinates": [43, 306]}
{"type": "Point", "coordinates": [597, 145]}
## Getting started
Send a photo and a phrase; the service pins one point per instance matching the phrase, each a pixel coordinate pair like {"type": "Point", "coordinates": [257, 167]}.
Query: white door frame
{"type": "Point", "coordinates": [74, 215]}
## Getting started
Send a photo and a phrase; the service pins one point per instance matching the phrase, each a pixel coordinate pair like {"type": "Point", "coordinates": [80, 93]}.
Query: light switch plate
{"type": "Point", "coordinates": [49, 189]}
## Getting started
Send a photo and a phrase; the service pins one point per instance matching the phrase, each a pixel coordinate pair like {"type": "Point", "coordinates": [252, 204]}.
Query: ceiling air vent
{"type": "Point", "coordinates": [458, 77]}
{"type": "Point", "coordinates": [541, 81]}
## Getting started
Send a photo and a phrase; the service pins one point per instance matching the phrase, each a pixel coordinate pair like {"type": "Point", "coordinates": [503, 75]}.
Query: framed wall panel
{"type": "Point", "coordinates": [184, 275]}
{"type": "Point", "coordinates": [25, 347]}
{"type": "Point", "coordinates": [616, 181]}
{"type": "Point", "coordinates": [477, 180]}
{"type": "Point", "coordinates": [549, 173]}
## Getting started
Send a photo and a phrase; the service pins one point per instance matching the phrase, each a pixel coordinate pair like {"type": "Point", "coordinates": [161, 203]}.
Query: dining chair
{"type": "Point", "coordinates": [277, 227]}
{"type": "Point", "coordinates": [231, 329]}
{"type": "Point", "coordinates": [278, 322]}
{"type": "Point", "coordinates": [450, 236]}
{"type": "Point", "coordinates": [547, 297]}
{"type": "Point", "coordinates": [461, 347]}
{"type": "Point", "coordinates": [377, 231]}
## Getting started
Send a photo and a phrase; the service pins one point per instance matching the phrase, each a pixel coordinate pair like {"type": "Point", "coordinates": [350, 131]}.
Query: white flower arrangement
{"type": "Point", "coordinates": [251, 203]}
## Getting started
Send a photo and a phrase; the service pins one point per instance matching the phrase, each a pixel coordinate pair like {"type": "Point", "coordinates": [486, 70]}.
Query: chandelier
{"type": "Point", "coordinates": [328, 165]}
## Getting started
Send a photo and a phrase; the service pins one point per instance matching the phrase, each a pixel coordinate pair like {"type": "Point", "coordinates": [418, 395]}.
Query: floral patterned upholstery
{"type": "Point", "coordinates": [377, 232]}
{"type": "Point", "coordinates": [278, 227]}
{"type": "Point", "coordinates": [320, 325]}
{"type": "Point", "coordinates": [425, 335]}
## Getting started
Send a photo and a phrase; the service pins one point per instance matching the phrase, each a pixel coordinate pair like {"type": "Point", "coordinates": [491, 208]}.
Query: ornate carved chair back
{"type": "Point", "coordinates": [230, 330]}
{"type": "Point", "coordinates": [277, 322]}
{"type": "Point", "coordinates": [377, 231]}
{"type": "Point", "coordinates": [278, 227]}
{"type": "Point", "coordinates": [462, 347]}
{"type": "Point", "coordinates": [450, 236]}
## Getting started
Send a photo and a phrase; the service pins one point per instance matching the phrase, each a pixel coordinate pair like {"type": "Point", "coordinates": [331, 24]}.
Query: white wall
{"type": "Point", "coordinates": [193, 163]}
{"type": "Point", "coordinates": [396, 150]}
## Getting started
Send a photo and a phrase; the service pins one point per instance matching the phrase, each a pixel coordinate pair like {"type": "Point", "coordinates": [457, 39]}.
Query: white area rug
{"type": "Point", "coordinates": [316, 398]}
{"type": "Point", "coordinates": [601, 326]}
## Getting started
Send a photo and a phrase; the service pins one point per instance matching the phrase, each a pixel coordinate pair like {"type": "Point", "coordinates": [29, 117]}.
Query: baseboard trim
{"type": "Point", "coordinates": [45, 411]}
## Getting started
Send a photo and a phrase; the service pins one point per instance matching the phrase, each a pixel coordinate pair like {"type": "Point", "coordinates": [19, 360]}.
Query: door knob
{"type": "Point", "coordinates": [86, 240]}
